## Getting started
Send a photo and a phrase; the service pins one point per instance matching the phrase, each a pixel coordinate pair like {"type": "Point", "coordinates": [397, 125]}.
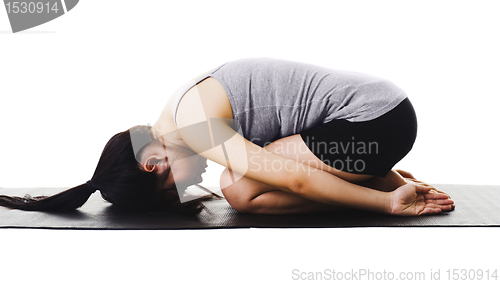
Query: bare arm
{"type": "Point", "coordinates": [202, 120]}
{"type": "Point", "coordinates": [252, 161]}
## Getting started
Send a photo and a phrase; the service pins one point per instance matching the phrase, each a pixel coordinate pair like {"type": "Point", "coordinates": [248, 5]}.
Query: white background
{"type": "Point", "coordinates": [67, 86]}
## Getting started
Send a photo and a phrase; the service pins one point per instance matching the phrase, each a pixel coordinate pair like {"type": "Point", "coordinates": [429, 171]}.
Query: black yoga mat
{"type": "Point", "coordinates": [476, 205]}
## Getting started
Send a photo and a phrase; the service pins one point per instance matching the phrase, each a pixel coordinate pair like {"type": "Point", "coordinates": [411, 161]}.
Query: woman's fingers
{"type": "Point", "coordinates": [420, 182]}
{"type": "Point", "coordinates": [439, 191]}
{"type": "Point", "coordinates": [431, 192]}
{"type": "Point", "coordinates": [440, 201]}
{"type": "Point", "coordinates": [433, 189]}
{"type": "Point", "coordinates": [416, 199]}
{"type": "Point", "coordinates": [435, 202]}
{"type": "Point", "coordinates": [428, 210]}
{"type": "Point", "coordinates": [405, 174]}
{"type": "Point", "coordinates": [422, 189]}
{"type": "Point", "coordinates": [435, 195]}
{"type": "Point", "coordinates": [424, 184]}
{"type": "Point", "coordinates": [432, 208]}
{"type": "Point", "coordinates": [441, 204]}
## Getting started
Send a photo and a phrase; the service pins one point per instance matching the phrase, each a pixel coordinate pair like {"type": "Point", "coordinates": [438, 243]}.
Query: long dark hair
{"type": "Point", "coordinates": [121, 181]}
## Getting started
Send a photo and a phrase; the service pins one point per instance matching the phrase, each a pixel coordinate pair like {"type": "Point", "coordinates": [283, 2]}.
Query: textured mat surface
{"type": "Point", "coordinates": [476, 205]}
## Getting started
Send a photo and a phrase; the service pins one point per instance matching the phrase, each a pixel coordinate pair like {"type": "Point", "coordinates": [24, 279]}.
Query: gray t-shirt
{"type": "Point", "coordinates": [274, 98]}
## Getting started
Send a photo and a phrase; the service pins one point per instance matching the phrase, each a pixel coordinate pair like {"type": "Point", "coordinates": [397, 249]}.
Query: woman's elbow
{"type": "Point", "coordinates": [296, 183]}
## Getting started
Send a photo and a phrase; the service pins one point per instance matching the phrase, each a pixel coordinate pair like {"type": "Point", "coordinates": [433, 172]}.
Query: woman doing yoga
{"type": "Point", "coordinates": [294, 138]}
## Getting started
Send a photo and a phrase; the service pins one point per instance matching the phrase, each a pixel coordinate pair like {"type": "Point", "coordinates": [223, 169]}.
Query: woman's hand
{"type": "Point", "coordinates": [414, 199]}
{"type": "Point", "coordinates": [405, 174]}
{"type": "Point", "coordinates": [409, 178]}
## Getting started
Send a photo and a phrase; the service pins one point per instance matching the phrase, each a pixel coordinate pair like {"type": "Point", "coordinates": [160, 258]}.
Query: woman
{"type": "Point", "coordinates": [295, 138]}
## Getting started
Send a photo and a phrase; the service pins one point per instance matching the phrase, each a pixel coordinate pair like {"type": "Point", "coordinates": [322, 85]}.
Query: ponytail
{"type": "Point", "coordinates": [67, 200]}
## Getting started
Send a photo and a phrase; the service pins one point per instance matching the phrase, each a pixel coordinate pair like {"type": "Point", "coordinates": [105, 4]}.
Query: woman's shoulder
{"type": "Point", "coordinates": [204, 100]}
{"type": "Point", "coordinates": [207, 96]}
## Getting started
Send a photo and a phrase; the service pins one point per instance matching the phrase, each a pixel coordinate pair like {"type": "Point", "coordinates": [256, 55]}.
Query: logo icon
{"type": "Point", "coordinates": [27, 14]}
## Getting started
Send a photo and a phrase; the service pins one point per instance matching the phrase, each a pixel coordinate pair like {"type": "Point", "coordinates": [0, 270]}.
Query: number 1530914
{"type": "Point", "coordinates": [31, 7]}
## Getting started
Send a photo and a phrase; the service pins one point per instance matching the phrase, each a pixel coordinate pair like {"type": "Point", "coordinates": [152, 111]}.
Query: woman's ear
{"type": "Point", "coordinates": [150, 164]}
